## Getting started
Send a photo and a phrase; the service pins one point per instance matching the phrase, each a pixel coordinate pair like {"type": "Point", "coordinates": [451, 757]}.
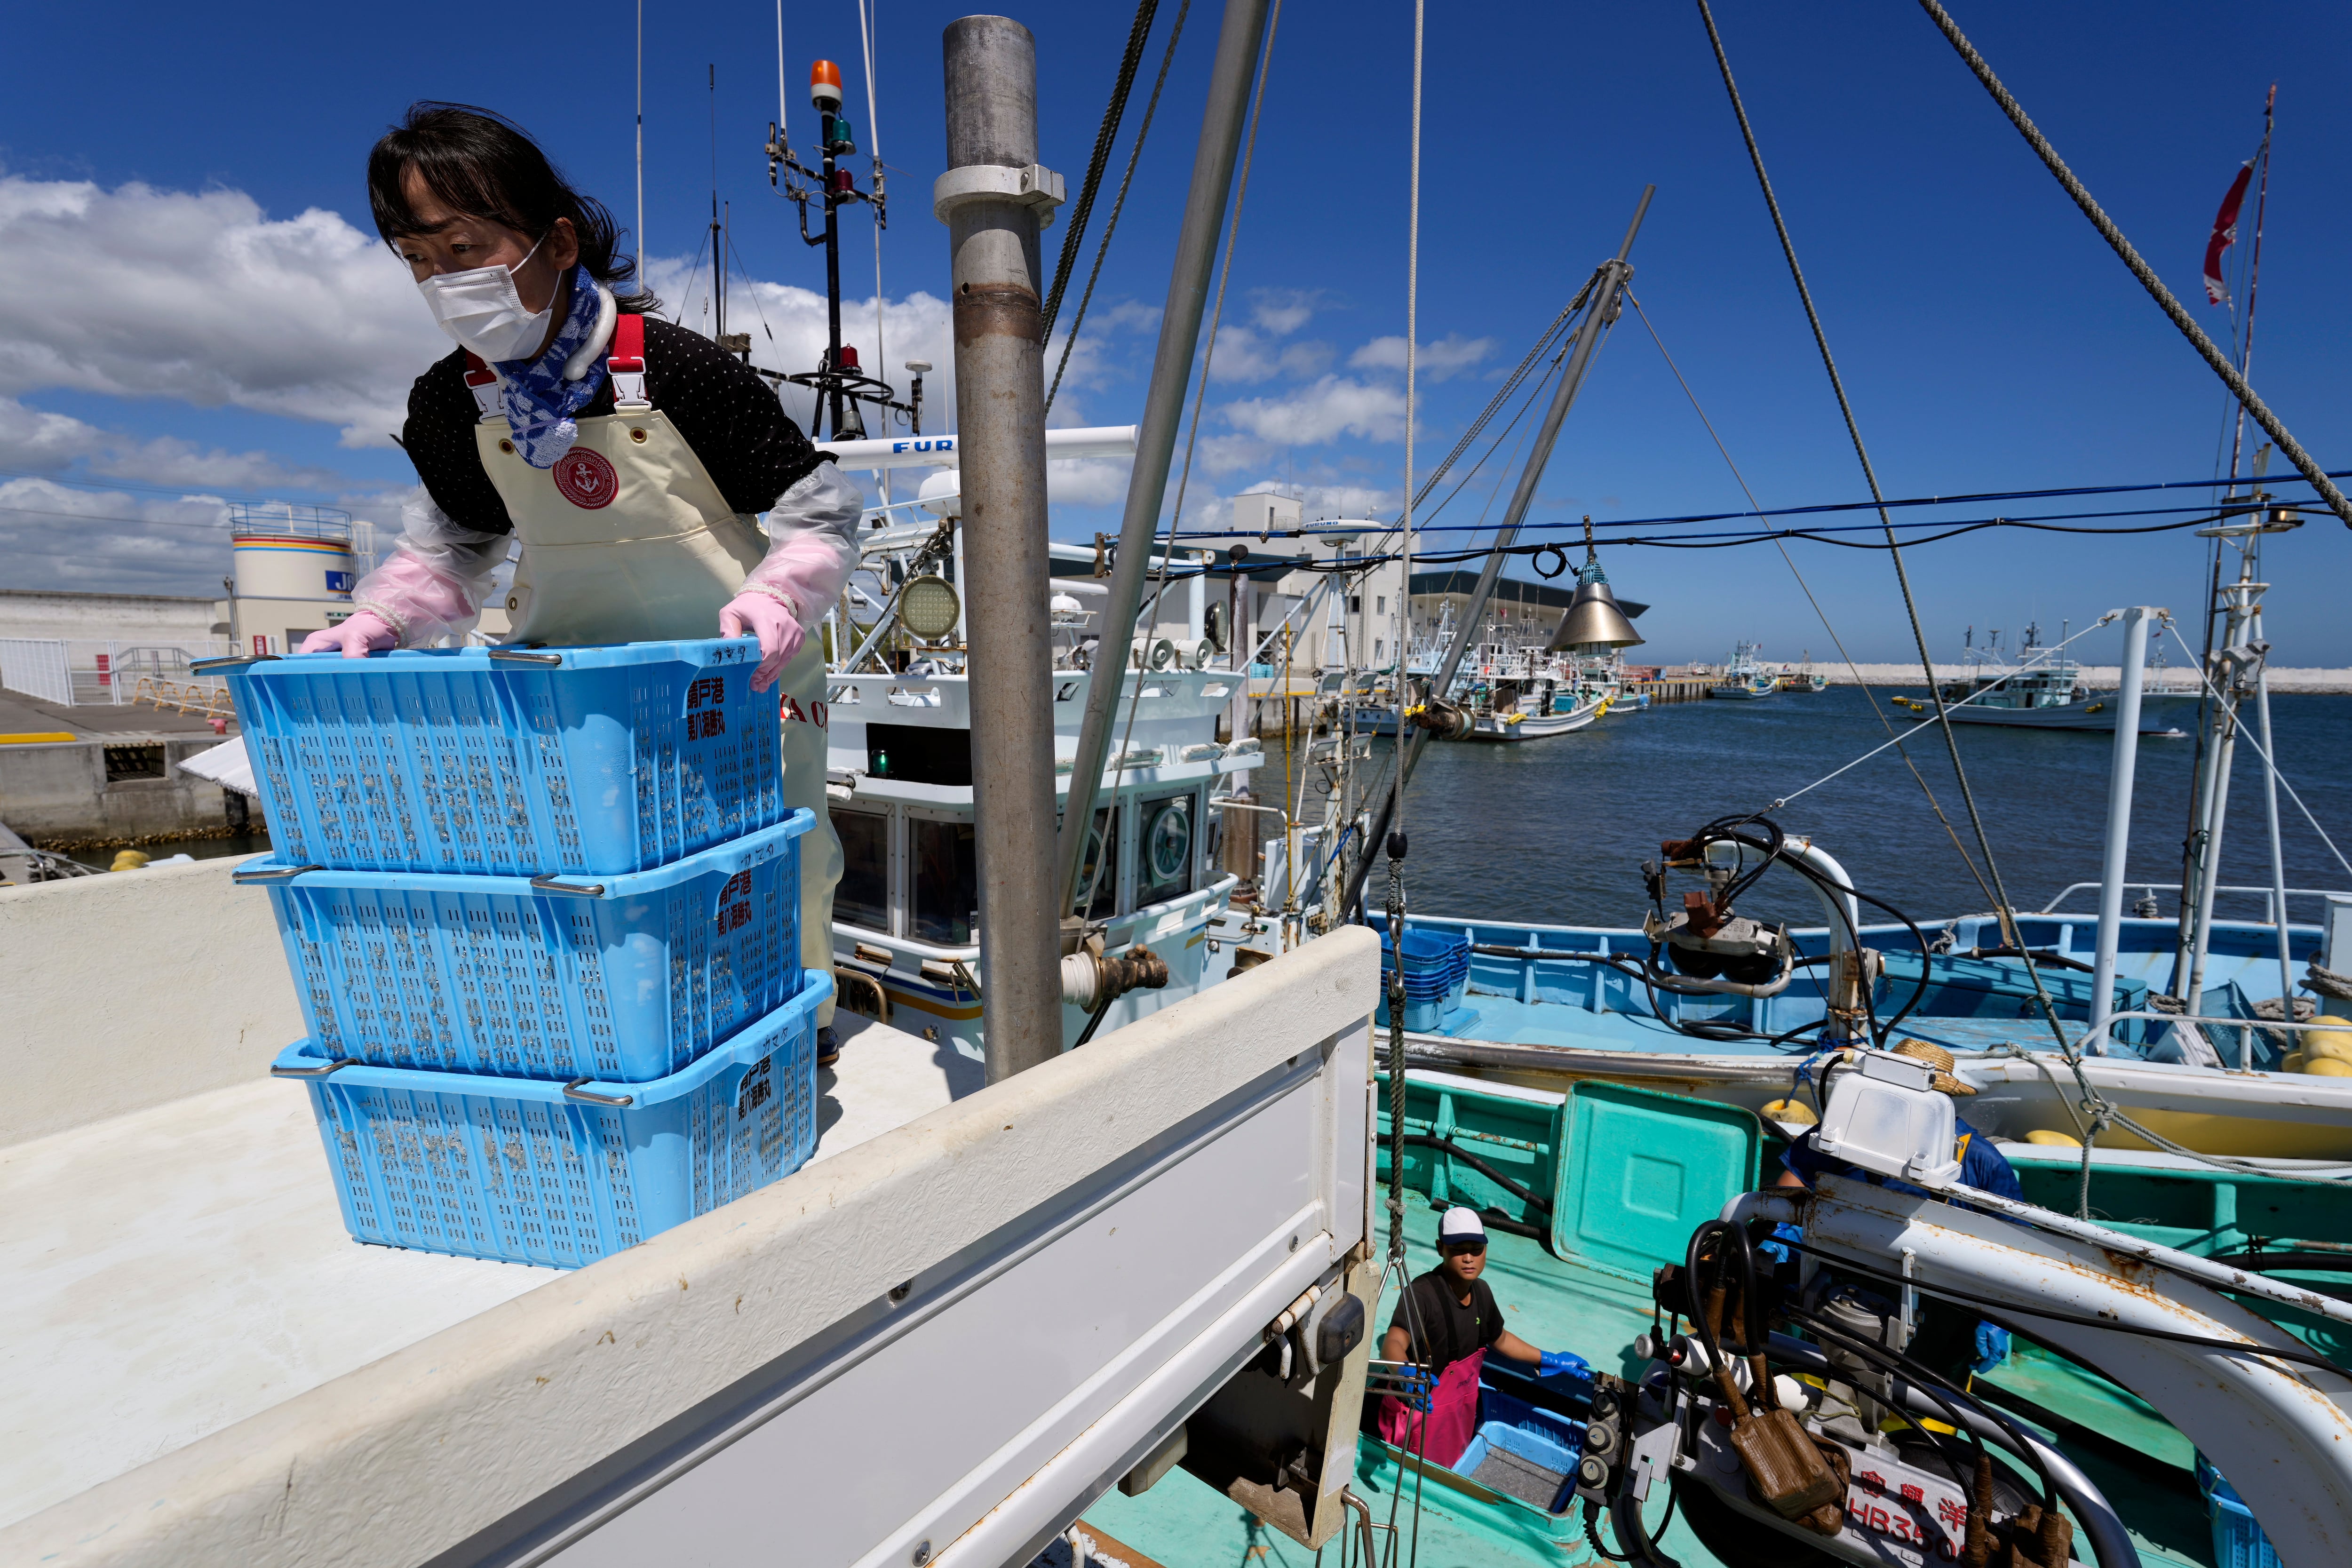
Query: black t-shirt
{"type": "Point", "coordinates": [1448, 1330]}
{"type": "Point", "coordinates": [725, 412]}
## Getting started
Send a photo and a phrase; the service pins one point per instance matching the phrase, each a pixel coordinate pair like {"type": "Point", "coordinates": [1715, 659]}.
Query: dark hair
{"type": "Point", "coordinates": [484, 165]}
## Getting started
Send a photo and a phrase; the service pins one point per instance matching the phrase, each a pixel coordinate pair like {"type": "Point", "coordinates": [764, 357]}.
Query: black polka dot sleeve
{"type": "Point", "coordinates": [719, 404]}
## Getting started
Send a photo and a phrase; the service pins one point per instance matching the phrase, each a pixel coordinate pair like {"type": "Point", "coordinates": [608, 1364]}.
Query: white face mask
{"type": "Point", "coordinates": [480, 308]}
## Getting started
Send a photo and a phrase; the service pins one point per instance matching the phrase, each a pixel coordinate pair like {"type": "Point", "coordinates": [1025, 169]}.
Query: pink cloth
{"type": "Point", "coordinates": [755, 613]}
{"type": "Point", "coordinates": [1453, 1418]}
{"type": "Point", "coordinates": [357, 637]}
{"type": "Point", "coordinates": [417, 600]}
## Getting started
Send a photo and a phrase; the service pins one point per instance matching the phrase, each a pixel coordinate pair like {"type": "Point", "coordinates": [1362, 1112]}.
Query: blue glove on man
{"type": "Point", "coordinates": [1992, 1346]}
{"type": "Point", "coordinates": [1557, 1362]}
{"type": "Point", "coordinates": [1417, 1384]}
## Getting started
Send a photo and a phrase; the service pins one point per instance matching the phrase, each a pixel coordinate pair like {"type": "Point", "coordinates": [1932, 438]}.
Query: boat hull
{"type": "Point", "coordinates": [2157, 715]}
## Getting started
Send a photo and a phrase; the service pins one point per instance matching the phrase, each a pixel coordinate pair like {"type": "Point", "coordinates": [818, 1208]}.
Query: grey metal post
{"type": "Point", "coordinates": [1155, 443]}
{"type": "Point", "coordinates": [990, 198]}
{"type": "Point", "coordinates": [1607, 290]}
{"type": "Point", "coordinates": [2112, 868]}
{"type": "Point", "coordinates": [2271, 814]}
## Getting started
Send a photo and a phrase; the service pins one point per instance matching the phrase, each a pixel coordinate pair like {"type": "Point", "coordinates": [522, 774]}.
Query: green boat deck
{"type": "Point", "coordinates": [1643, 1153]}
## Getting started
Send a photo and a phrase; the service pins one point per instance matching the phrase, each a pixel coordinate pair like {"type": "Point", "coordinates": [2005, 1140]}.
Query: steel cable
{"type": "Point", "coordinates": [2007, 915]}
{"type": "Point", "coordinates": [2205, 346]}
{"type": "Point", "coordinates": [1138, 36]}
{"type": "Point", "coordinates": [1111, 224]}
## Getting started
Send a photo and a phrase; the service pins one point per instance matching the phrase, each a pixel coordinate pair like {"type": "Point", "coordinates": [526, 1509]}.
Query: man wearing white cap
{"type": "Point", "coordinates": [1447, 1322]}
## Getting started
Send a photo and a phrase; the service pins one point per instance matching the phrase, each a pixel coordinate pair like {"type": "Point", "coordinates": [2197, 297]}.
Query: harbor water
{"type": "Point", "coordinates": [1554, 832]}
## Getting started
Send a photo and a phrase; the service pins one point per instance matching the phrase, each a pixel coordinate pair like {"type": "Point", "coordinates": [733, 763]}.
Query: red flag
{"type": "Point", "coordinates": [2225, 233]}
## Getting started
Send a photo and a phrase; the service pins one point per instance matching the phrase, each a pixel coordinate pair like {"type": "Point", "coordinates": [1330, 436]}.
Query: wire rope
{"type": "Point", "coordinates": [1073, 237]}
{"type": "Point", "coordinates": [2204, 345]}
{"type": "Point", "coordinates": [1884, 719]}
{"type": "Point", "coordinates": [1111, 224]}
{"type": "Point", "coordinates": [1903, 578]}
{"type": "Point", "coordinates": [1184, 477]}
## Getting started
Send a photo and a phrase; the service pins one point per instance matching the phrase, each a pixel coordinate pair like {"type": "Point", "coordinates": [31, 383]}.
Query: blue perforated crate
{"type": "Point", "coordinates": [624, 977]}
{"type": "Point", "coordinates": [511, 762]}
{"type": "Point", "coordinates": [558, 1173]}
{"type": "Point", "coordinates": [2238, 1539]}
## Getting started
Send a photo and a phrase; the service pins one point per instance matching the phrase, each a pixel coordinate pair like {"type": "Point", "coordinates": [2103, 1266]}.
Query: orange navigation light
{"type": "Point", "coordinates": [824, 85]}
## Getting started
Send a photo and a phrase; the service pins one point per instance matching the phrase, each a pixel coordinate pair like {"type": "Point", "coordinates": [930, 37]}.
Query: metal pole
{"type": "Point", "coordinates": [1599, 318]}
{"type": "Point", "coordinates": [2112, 868]}
{"type": "Point", "coordinates": [2270, 794]}
{"type": "Point", "coordinates": [2242, 596]}
{"type": "Point", "coordinates": [1171, 372]}
{"type": "Point", "coordinates": [996, 279]}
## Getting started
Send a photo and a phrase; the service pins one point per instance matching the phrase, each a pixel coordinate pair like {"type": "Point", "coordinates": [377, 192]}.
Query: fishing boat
{"type": "Point", "coordinates": [1803, 677]}
{"type": "Point", "coordinates": [1745, 680]}
{"type": "Point", "coordinates": [2043, 689]}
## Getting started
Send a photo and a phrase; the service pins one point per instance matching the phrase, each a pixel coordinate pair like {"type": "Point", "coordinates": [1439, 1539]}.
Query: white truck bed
{"type": "Point", "coordinates": [939, 1342]}
{"type": "Point", "coordinates": [179, 1268]}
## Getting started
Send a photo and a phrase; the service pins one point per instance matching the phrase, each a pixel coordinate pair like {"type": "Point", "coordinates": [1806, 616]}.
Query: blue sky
{"type": "Point", "coordinates": [202, 337]}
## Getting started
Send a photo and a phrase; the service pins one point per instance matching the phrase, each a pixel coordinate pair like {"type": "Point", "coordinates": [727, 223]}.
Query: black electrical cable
{"type": "Point", "coordinates": [1990, 1310]}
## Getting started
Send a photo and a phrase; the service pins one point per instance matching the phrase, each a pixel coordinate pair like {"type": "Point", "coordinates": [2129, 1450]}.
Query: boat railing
{"type": "Point", "coordinates": [2152, 889]}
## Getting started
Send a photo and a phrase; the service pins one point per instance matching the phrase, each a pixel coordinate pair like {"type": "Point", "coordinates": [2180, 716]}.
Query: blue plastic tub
{"type": "Point", "coordinates": [556, 1174]}
{"type": "Point", "coordinates": [511, 762]}
{"type": "Point", "coordinates": [627, 978]}
{"type": "Point", "coordinates": [1435, 963]}
{"type": "Point", "coordinates": [2238, 1541]}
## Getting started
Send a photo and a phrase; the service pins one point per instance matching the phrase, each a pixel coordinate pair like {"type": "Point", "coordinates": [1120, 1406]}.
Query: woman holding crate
{"type": "Point", "coordinates": [627, 456]}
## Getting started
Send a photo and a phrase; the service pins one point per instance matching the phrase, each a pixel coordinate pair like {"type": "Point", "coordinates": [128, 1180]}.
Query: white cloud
{"type": "Point", "coordinates": [140, 292]}
{"type": "Point", "coordinates": [1330, 408]}
{"type": "Point", "coordinates": [109, 541]}
{"type": "Point", "coordinates": [35, 440]}
{"type": "Point", "coordinates": [1441, 361]}
{"type": "Point", "coordinates": [1282, 312]}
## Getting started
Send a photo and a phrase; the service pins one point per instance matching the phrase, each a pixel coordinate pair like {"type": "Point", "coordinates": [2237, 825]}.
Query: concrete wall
{"type": "Point", "coordinates": [2102, 678]}
{"type": "Point", "coordinates": [57, 789]}
{"type": "Point", "coordinates": [127, 619]}
{"type": "Point", "coordinates": [125, 991]}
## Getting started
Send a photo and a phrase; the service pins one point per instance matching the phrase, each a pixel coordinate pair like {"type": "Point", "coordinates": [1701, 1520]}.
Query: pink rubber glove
{"type": "Point", "coordinates": [358, 637]}
{"type": "Point", "coordinates": [769, 618]}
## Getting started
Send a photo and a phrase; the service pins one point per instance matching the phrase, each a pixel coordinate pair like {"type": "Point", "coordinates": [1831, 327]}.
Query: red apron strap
{"type": "Point", "coordinates": [626, 364]}
{"type": "Point", "coordinates": [483, 382]}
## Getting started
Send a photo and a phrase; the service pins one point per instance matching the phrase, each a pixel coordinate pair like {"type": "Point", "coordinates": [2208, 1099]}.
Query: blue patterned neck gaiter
{"type": "Point", "coordinates": [539, 402]}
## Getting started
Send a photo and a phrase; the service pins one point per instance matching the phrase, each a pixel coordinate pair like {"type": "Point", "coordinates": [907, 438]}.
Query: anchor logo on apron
{"type": "Point", "coordinates": [585, 479]}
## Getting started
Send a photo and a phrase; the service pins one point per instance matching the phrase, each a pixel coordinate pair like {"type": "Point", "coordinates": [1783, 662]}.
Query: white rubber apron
{"type": "Point", "coordinates": [627, 538]}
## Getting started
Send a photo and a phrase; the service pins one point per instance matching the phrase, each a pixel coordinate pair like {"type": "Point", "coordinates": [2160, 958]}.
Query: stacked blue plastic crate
{"type": "Point", "coordinates": [541, 909]}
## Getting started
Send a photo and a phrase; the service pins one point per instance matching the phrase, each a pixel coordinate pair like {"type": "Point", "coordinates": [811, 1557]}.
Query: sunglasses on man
{"type": "Point", "coordinates": [1453, 1248]}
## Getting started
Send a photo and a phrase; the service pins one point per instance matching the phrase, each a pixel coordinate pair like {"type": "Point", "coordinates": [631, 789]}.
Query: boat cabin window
{"type": "Point", "coordinates": [1099, 872]}
{"type": "Point", "coordinates": [947, 881]}
{"type": "Point", "coordinates": [862, 896]}
{"type": "Point", "coordinates": [1164, 850]}
{"type": "Point", "coordinates": [915, 753]}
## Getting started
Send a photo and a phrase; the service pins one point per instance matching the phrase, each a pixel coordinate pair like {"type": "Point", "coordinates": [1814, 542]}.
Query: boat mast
{"type": "Point", "coordinates": [2218, 717]}
{"type": "Point", "coordinates": [1607, 290]}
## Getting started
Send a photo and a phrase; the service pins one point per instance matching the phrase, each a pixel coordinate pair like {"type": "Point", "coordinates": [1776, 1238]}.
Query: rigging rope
{"type": "Point", "coordinates": [1884, 720]}
{"type": "Point", "coordinates": [1111, 224]}
{"type": "Point", "coordinates": [1208, 357]}
{"type": "Point", "coordinates": [1402, 684]}
{"type": "Point", "coordinates": [1075, 236]}
{"type": "Point", "coordinates": [2204, 345]}
{"type": "Point", "coordinates": [1870, 475]}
